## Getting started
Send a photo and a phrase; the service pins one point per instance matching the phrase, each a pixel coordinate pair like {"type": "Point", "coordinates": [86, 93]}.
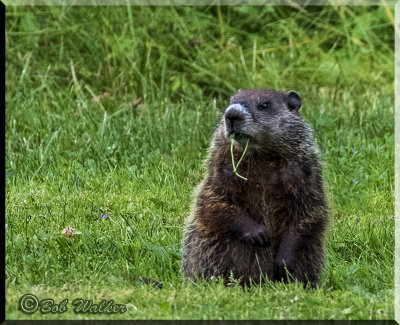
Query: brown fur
{"type": "Point", "coordinates": [273, 222]}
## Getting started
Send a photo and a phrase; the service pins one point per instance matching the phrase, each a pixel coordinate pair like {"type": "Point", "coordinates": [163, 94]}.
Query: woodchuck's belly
{"type": "Point", "coordinates": [206, 257]}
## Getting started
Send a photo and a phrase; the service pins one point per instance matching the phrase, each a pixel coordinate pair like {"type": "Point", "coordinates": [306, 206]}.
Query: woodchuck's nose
{"type": "Point", "coordinates": [235, 115]}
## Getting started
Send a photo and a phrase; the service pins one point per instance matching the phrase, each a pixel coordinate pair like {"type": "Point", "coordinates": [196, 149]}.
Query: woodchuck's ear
{"type": "Point", "coordinates": [294, 100]}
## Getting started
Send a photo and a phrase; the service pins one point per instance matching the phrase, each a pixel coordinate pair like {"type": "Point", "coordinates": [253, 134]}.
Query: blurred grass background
{"type": "Point", "coordinates": [110, 110]}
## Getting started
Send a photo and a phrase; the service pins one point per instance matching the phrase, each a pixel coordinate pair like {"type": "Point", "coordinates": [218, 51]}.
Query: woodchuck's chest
{"type": "Point", "coordinates": [264, 195]}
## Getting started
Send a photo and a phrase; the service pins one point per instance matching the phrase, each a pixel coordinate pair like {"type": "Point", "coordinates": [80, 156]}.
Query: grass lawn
{"type": "Point", "coordinates": [110, 111]}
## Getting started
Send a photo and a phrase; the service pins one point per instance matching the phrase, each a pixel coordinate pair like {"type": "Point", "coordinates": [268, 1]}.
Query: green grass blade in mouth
{"type": "Point", "coordinates": [241, 158]}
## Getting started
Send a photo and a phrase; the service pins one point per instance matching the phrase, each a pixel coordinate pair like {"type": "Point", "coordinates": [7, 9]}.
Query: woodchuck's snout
{"type": "Point", "coordinates": [268, 223]}
{"type": "Point", "coordinates": [237, 117]}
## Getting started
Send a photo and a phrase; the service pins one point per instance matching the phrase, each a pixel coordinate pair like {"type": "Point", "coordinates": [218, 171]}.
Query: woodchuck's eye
{"type": "Point", "coordinates": [263, 106]}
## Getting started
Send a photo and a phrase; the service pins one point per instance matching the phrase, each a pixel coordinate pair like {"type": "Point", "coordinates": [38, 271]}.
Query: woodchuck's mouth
{"type": "Point", "coordinates": [240, 137]}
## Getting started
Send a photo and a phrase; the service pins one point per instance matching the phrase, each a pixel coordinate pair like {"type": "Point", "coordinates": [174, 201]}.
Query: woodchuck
{"type": "Point", "coordinates": [268, 221]}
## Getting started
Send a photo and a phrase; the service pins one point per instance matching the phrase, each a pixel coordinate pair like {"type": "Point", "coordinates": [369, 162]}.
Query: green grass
{"type": "Point", "coordinates": [69, 160]}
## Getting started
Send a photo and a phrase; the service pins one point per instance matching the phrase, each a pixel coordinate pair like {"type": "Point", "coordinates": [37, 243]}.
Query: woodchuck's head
{"type": "Point", "coordinates": [268, 118]}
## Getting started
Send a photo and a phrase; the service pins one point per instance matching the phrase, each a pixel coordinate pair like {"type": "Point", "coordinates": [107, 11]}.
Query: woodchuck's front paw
{"type": "Point", "coordinates": [256, 235]}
